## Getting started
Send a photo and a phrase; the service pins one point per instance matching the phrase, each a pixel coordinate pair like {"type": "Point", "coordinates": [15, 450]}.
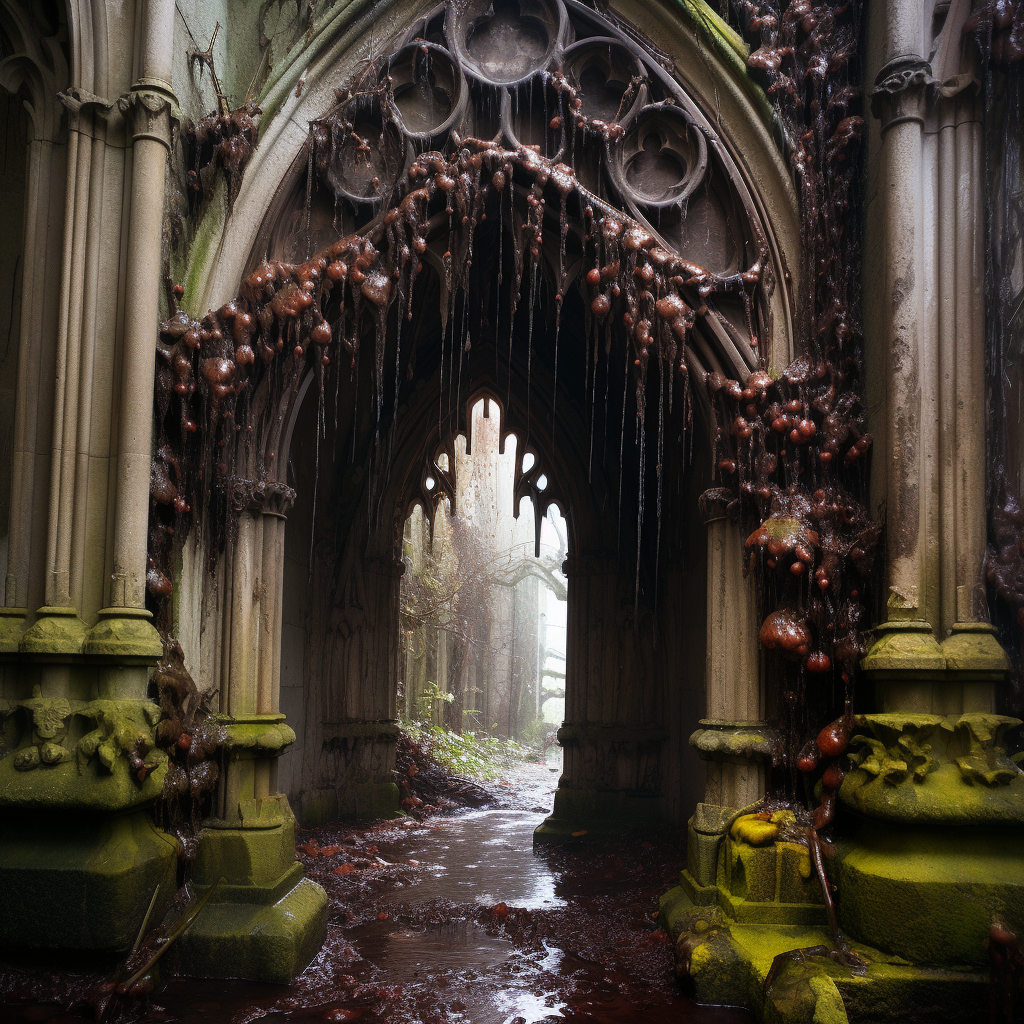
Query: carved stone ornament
{"type": "Point", "coordinates": [900, 92]}
{"type": "Point", "coordinates": [46, 728]}
{"type": "Point", "coordinates": [261, 496]}
{"type": "Point", "coordinates": [150, 109]}
{"type": "Point", "coordinates": [116, 729]}
{"type": "Point", "coordinates": [714, 503]}
{"type": "Point", "coordinates": [933, 769]}
{"type": "Point", "coordinates": [553, 82]}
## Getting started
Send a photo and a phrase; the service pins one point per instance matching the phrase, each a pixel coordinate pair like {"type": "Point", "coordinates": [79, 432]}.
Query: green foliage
{"type": "Point", "coordinates": [430, 698]}
{"type": "Point", "coordinates": [473, 754]}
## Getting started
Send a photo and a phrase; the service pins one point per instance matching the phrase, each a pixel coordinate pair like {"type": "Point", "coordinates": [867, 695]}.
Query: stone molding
{"type": "Point", "coordinates": [255, 735]}
{"type": "Point", "coordinates": [719, 740]}
{"type": "Point", "coordinates": [714, 504]}
{"type": "Point", "coordinates": [906, 90]}
{"type": "Point", "coordinates": [151, 110]}
{"type": "Point", "coordinates": [924, 768]}
{"type": "Point", "coordinates": [261, 497]}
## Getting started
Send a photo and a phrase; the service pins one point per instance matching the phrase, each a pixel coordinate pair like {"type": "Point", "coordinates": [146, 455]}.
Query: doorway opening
{"type": "Point", "coordinates": [483, 595]}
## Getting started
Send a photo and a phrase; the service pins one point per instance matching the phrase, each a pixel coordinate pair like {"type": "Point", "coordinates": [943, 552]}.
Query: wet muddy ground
{"type": "Point", "coordinates": [455, 918]}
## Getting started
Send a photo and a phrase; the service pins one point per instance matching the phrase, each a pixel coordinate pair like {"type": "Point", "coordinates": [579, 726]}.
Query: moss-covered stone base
{"type": "Point", "coordinates": [81, 881]}
{"type": "Point", "coordinates": [578, 813]}
{"type": "Point", "coordinates": [363, 801]}
{"type": "Point", "coordinates": [929, 894]}
{"type": "Point", "coordinates": [729, 963]}
{"type": "Point", "coordinates": [272, 943]}
{"type": "Point", "coordinates": [265, 922]}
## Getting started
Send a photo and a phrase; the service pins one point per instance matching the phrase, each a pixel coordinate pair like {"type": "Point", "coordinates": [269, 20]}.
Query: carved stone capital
{"type": "Point", "coordinates": [901, 91]}
{"type": "Point", "coordinates": [150, 109]}
{"type": "Point", "coordinates": [714, 504]}
{"type": "Point", "coordinates": [261, 497]}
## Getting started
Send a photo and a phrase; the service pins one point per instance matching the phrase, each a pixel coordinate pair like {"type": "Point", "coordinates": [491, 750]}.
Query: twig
{"type": "Point", "coordinates": [178, 929]}
{"type": "Point", "coordinates": [145, 920]}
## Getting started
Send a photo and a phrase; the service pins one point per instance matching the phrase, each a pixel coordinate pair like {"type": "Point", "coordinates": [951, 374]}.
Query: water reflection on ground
{"type": "Point", "coordinates": [457, 919]}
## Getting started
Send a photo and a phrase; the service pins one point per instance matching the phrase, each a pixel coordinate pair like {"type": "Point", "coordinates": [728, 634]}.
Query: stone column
{"type": "Point", "coordinates": [975, 662]}
{"type": "Point", "coordinates": [37, 340]}
{"type": "Point", "coordinates": [360, 730]}
{"type": "Point", "coordinates": [614, 729]}
{"type": "Point", "coordinates": [932, 809]}
{"type": "Point", "coordinates": [124, 630]}
{"type": "Point", "coordinates": [265, 920]}
{"type": "Point", "coordinates": [76, 791]}
{"type": "Point", "coordinates": [906, 655]}
{"type": "Point", "coordinates": [250, 686]}
{"type": "Point", "coordinates": [936, 653]}
{"type": "Point", "coordinates": [733, 736]}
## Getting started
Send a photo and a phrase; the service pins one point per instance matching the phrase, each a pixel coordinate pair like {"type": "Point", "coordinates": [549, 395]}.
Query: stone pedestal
{"type": "Point", "coordinates": [359, 759]}
{"type": "Point", "coordinates": [80, 856]}
{"type": "Point", "coordinates": [82, 880]}
{"type": "Point", "coordinates": [931, 848]}
{"type": "Point", "coordinates": [265, 921]}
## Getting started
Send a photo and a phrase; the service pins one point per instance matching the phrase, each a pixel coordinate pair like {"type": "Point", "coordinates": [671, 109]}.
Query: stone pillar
{"type": "Point", "coordinates": [906, 655]}
{"type": "Point", "coordinates": [265, 921]}
{"type": "Point", "coordinates": [124, 630]}
{"type": "Point", "coordinates": [733, 736]}
{"type": "Point", "coordinates": [614, 730]}
{"type": "Point", "coordinates": [37, 340]}
{"type": "Point", "coordinates": [77, 789]}
{"type": "Point", "coordinates": [936, 653]}
{"type": "Point", "coordinates": [352, 668]}
{"type": "Point", "coordinates": [932, 810]}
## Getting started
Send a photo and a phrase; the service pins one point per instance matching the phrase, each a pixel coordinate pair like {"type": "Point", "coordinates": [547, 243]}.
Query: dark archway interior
{"type": "Point", "coordinates": [628, 488]}
{"type": "Point", "coordinates": [578, 195]}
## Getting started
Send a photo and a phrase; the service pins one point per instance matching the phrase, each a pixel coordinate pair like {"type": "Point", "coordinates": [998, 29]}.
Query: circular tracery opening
{"type": "Point", "coordinates": [608, 78]}
{"type": "Point", "coordinates": [506, 41]}
{"type": "Point", "coordinates": [427, 88]}
{"type": "Point", "coordinates": [663, 159]}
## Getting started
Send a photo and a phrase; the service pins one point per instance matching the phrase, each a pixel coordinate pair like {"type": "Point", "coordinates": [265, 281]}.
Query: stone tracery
{"type": "Point", "coordinates": [423, 146]}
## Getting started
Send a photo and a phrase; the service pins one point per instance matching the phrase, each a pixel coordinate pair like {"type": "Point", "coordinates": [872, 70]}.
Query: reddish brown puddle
{"type": "Point", "coordinates": [458, 919]}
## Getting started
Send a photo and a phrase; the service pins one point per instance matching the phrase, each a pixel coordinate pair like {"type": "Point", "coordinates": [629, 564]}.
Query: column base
{"type": "Point", "coordinates": [931, 845]}
{"type": "Point", "coordinates": [362, 801]}
{"type": "Point", "coordinates": [765, 884]}
{"type": "Point", "coordinates": [57, 632]}
{"type": "Point", "coordinates": [590, 813]}
{"type": "Point", "coordinates": [82, 881]}
{"type": "Point", "coordinates": [929, 895]}
{"type": "Point", "coordinates": [12, 625]}
{"type": "Point", "coordinates": [729, 962]}
{"type": "Point", "coordinates": [265, 922]}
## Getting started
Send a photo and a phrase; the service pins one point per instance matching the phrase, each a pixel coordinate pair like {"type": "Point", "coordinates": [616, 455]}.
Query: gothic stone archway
{"type": "Point", "coordinates": [527, 201]}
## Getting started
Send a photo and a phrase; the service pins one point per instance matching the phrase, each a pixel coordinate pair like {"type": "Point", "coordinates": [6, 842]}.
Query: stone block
{"type": "Point", "coordinates": [82, 881]}
{"type": "Point", "coordinates": [271, 942]}
{"type": "Point", "coordinates": [928, 894]}
{"type": "Point", "coordinates": [264, 921]}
